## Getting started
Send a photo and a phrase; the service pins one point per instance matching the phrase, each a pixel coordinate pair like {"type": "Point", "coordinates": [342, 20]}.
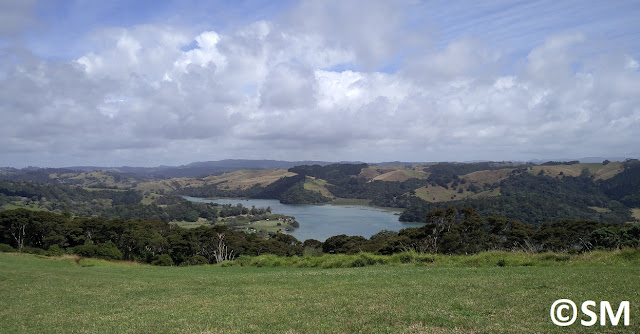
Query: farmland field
{"type": "Point", "coordinates": [42, 295]}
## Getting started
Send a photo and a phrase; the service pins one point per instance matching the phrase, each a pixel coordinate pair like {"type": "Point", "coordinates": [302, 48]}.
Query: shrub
{"type": "Point", "coordinates": [4, 248]}
{"type": "Point", "coordinates": [54, 250]}
{"type": "Point", "coordinates": [33, 250]}
{"type": "Point", "coordinates": [358, 263]}
{"type": "Point", "coordinates": [196, 260]}
{"type": "Point", "coordinates": [162, 260]}
{"type": "Point", "coordinates": [86, 250]}
{"type": "Point", "coordinates": [243, 260]}
{"type": "Point", "coordinates": [501, 263]}
{"type": "Point", "coordinates": [426, 259]}
{"type": "Point", "coordinates": [403, 257]}
{"type": "Point", "coordinates": [108, 251]}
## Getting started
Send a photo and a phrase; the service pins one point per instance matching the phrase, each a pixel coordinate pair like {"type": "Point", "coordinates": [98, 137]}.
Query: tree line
{"type": "Point", "coordinates": [447, 231]}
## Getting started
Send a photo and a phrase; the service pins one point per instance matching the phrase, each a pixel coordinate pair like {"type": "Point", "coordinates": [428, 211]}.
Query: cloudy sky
{"type": "Point", "coordinates": [146, 83]}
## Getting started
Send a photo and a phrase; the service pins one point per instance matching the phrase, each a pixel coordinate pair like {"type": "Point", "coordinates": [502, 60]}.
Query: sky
{"type": "Point", "coordinates": [148, 83]}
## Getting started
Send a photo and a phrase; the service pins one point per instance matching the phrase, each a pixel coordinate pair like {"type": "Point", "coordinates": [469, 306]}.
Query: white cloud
{"type": "Point", "coordinates": [267, 90]}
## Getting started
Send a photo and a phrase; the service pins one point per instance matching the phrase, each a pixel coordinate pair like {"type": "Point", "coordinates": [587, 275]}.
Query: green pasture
{"type": "Point", "coordinates": [67, 295]}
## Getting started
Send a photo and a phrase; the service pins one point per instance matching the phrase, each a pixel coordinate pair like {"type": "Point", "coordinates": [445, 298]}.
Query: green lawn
{"type": "Point", "coordinates": [41, 295]}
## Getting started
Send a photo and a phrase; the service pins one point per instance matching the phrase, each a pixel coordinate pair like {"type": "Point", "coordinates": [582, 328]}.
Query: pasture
{"type": "Point", "coordinates": [62, 295]}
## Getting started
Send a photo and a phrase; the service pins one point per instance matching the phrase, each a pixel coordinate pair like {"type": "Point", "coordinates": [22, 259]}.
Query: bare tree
{"type": "Point", "coordinates": [222, 253]}
{"type": "Point", "coordinates": [18, 232]}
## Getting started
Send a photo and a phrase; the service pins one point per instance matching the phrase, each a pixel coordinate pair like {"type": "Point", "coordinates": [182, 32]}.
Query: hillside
{"type": "Point", "coordinates": [553, 190]}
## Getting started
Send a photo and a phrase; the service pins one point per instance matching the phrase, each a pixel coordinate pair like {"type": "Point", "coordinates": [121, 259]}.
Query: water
{"type": "Point", "coordinates": [323, 221]}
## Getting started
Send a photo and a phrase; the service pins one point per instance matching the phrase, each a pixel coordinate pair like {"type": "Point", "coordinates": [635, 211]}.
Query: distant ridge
{"type": "Point", "coordinates": [201, 168]}
{"type": "Point", "coordinates": [216, 167]}
{"type": "Point", "coordinates": [582, 160]}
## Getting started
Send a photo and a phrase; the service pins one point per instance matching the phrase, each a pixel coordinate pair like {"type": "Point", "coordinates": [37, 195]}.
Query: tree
{"type": "Point", "coordinates": [222, 253]}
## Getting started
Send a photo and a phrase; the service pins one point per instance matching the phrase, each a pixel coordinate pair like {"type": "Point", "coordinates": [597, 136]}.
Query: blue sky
{"type": "Point", "coordinates": [171, 82]}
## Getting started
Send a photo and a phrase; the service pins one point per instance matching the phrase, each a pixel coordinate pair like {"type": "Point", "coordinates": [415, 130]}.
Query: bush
{"type": "Point", "coordinates": [86, 250]}
{"type": "Point", "coordinates": [33, 250]}
{"type": "Point", "coordinates": [501, 263]}
{"type": "Point", "coordinates": [54, 250]}
{"type": "Point", "coordinates": [108, 251]}
{"type": "Point", "coordinates": [196, 260]}
{"type": "Point", "coordinates": [162, 260]}
{"type": "Point", "coordinates": [4, 248]}
{"type": "Point", "coordinates": [358, 263]}
{"type": "Point", "coordinates": [243, 260]}
{"type": "Point", "coordinates": [403, 257]}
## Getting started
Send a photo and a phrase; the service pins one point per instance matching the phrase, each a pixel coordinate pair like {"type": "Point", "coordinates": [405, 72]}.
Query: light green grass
{"type": "Point", "coordinates": [317, 185]}
{"type": "Point", "coordinates": [598, 170]}
{"type": "Point", "coordinates": [58, 296]}
{"type": "Point", "coordinates": [185, 224]}
{"type": "Point", "coordinates": [599, 209]}
{"type": "Point", "coordinates": [34, 206]}
{"type": "Point", "coordinates": [243, 224]}
{"type": "Point", "coordinates": [150, 198]}
{"type": "Point", "coordinates": [626, 257]}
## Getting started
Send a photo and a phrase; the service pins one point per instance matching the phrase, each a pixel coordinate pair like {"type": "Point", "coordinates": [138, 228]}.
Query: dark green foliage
{"type": "Point", "coordinates": [276, 189]}
{"type": "Point", "coordinates": [108, 251]}
{"type": "Point", "coordinates": [555, 163]}
{"type": "Point", "coordinates": [65, 195]}
{"type": "Point", "coordinates": [625, 186]}
{"type": "Point", "coordinates": [86, 250]}
{"type": "Point", "coordinates": [444, 173]}
{"type": "Point", "coordinates": [449, 231]}
{"type": "Point", "coordinates": [298, 195]}
{"type": "Point", "coordinates": [534, 199]}
{"type": "Point", "coordinates": [381, 193]}
{"type": "Point", "coordinates": [196, 260]}
{"type": "Point", "coordinates": [343, 244]}
{"type": "Point", "coordinates": [605, 238]}
{"type": "Point", "coordinates": [6, 248]}
{"type": "Point", "coordinates": [163, 260]}
{"type": "Point", "coordinates": [55, 250]}
{"type": "Point", "coordinates": [335, 173]}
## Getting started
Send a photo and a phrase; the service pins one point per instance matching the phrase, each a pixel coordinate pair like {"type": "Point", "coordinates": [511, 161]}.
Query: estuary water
{"type": "Point", "coordinates": [323, 221]}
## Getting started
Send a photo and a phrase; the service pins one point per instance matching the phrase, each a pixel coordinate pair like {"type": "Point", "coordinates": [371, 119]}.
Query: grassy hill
{"type": "Point", "coordinates": [42, 295]}
{"type": "Point", "coordinates": [317, 185]}
{"type": "Point", "coordinates": [598, 170]}
{"type": "Point", "coordinates": [386, 185]}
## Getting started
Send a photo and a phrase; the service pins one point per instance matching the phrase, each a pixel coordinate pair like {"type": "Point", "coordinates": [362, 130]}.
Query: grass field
{"type": "Point", "coordinates": [401, 174]}
{"type": "Point", "coordinates": [440, 194]}
{"type": "Point", "coordinates": [243, 224]}
{"type": "Point", "coordinates": [41, 295]}
{"type": "Point", "coordinates": [318, 185]}
{"type": "Point", "coordinates": [598, 170]}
